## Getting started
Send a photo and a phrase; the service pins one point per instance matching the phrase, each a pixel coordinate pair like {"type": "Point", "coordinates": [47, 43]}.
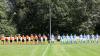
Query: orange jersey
{"type": "Point", "coordinates": [36, 37]}
{"type": "Point", "coordinates": [23, 37]}
{"type": "Point", "coordinates": [7, 38]}
{"type": "Point", "coordinates": [2, 38]}
{"type": "Point", "coordinates": [44, 36]}
{"type": "Point", "coordinates": [15, 37]}
{"type": "Point", "coordinates": [27, 37]}
{"type": "Point", "coordinates": [11, 38]}
{"type": "Point", "coordinates": [19, 37]}
{"type": "Point", "coordinates": [31, 37]}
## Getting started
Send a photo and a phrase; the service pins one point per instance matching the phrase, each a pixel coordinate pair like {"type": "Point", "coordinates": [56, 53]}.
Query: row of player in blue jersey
{"type": "Point", "coordinates": [89, 38]}
{"type": "Point", "coordinates": [74, 39]}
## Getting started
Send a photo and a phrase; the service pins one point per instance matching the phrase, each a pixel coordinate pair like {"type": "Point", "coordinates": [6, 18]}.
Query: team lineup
{"type": "Point", "coordinates": [45, 39]}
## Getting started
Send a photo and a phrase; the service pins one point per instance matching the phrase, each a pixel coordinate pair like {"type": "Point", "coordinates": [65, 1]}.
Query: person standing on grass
{"type": "Point", "coordinates": [71, 39]}
{"type": "Point", "coordinates": [52, 38]}
{"type": "Point", "coordinates": [32, 39]}
{"type": "Point", "coordinates": [45, 39]}
{"type": "Point", "coordinates": [2, 39]}
{"type": "Point", "coordinates": [48, 38]}
{"type": "Point", "coordinates": [84, 38]}
{"type": "Point", "coordinates": [11, 39]}
{"type": "Point", "coordinates": [27, 39]}
{"type": "Point", "coordinates": [39, 39]}
{"type": "Point", "coordinates": [7, 39]}
{"type": "Point", "coordinates": [36, 39]}
{"type": "Point", "coordinates": [23, 39]}
{"type": "Point", "coordinates": [15, 39]}
{"type": "Point", "coordinates": [67, 39]}
{"type": "Point", "coordinates": [58, 38]}
{"type": "Point", "coordinates": [92, 38]}
{"type": "Point", "coordinates": [19, 39]}
{"type": "Point", "coordinates": [81, 38]}
{"type": "Point", "coordinates": [97, 38]}
{"type": "Point", "coordinates": [62, 39]}
{"type": "Point", "coordinates": [74, 39]}
{"type": "Point", "coordinates": [88, 38]}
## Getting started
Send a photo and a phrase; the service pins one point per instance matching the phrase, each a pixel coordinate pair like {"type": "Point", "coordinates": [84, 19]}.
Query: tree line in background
{"type": "Point", "coordinates": [32, 16]}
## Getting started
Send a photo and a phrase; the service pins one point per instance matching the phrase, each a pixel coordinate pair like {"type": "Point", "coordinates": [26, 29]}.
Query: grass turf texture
{"type": "Point", "coordinates": [50, 50]}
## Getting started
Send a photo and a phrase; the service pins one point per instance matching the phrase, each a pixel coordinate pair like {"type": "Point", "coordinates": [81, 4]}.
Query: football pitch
{"type": "Point", "coordinates": [51, 50]}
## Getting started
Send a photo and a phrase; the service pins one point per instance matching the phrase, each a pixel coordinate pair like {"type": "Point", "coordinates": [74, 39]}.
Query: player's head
{"type": "Point", "coordinates": [74, 34]}
{"type": "Point", "coordinates": [22, 35]}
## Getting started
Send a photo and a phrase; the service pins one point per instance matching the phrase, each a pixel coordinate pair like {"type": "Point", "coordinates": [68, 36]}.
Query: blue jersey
{"type": "Point", "coordinates": [52, 36]}
{"type": "Point", "coordinates": [74, 36]}
{"type": "Point", "coordinates": [84, 36]}
{"type": "Point", "coordinates": [88, 36]}
{"type": "Point", "coordinates": [71, 37]}
{"type": "Point", "coordinates": [62, 37]}
{"type": "Point", "coordinates": [97, 36]}
{"type": "Point", "coordinates": [92, 36]}
{"type": "Point", "coordinates": [67, 36]}
{"type": "Point", "coordinates": [81, 36]}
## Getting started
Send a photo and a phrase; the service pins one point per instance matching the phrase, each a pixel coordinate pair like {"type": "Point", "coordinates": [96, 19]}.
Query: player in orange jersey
{"type": "Point", "coordinates": [19, 39]}
{"type": "Point", "coordinates": [27, 39]}
{"type": "Point", "coordinates": [36, 39]}
{"type": "Point", "coordinates": [31, 39]}
{"type": "Point", "coordinates": [39, 39]}
{"type": "Point", "coordinates": [15, 39]}
{"type": "Point", "coordinates": [23, 39]}
{"type": "Point", "coordinates": [2, 39]}
{"type": "Point", "coordinates": [44, 39]}
{"type": "Point", "coordinates": [7, 39]}
{"type": "Point", "coordinates": [11, 39]}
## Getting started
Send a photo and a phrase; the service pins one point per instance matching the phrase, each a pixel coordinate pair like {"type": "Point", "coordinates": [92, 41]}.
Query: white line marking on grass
{"type": "Point", "coordinates": [45, 51]}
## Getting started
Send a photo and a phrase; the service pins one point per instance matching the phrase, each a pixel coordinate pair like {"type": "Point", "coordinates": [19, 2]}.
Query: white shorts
{"type": "Point", "coordinates": [41, 39]}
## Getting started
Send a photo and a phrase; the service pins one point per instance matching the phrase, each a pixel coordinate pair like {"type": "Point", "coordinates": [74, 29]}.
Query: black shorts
{"type": "Point", "coordinates": [19, 40]}
{"type": "Point", "coordinates": [58, 40]}
{"type": "Point", "coordinates": [6, 40]}
{"type": "Point", "coordinates": [35, 39]}
{"type": "Point", "coordinates": [43, 39]}
{"type": "Point", "coordinates": [27, 39]}
{"type": "Point", "coordinates": [2, 40]}
{"type": "Point", "coordinates": [22, 40]}
{"type": "Point", "coordinates": [10, 40]}
{"type": "Point", "coordinates": [15, 40]}
{"type": "Point", "coordinates": [39, 39]}
{"type": "Point", "coordinates": [31, 39]}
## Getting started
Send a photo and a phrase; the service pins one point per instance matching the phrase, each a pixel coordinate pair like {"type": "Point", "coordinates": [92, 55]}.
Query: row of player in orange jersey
{"type": "Point", "coordinates": [31, 37]}
{"type": "Point", "coordinates": [19, 38]}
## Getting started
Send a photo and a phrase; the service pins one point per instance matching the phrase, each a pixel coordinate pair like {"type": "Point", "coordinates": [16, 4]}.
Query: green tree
{"type": "Point", "coordinates": [6, 26]}
{"type": "Point", "coordinates": [71, 16]}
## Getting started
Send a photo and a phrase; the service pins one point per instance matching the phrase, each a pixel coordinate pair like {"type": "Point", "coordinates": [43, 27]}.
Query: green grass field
{"type": "Point", "coordinates": [50, 50]}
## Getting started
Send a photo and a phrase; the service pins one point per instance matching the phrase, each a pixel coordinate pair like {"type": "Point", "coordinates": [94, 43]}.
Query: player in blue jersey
{"type": "Point", "coordinates": [97, 37]}
{"type": "Point", "coordinates": [52, 38]}
{"type": "Point", "coordinates": [71, 38]}
{"type": "Point", "coordinates": [88, 38]}
{"type": "Point", "coordinates": [84, 38]}
{"type": "Point", "coordinates": [67, 39]}
{"type": "Point", "coordinates": [74, 39]}
{"type": "Point", "coordinates": [81, 38]}
{"type": "Point", "coordinates": [92, 40]}
{"type": "Point", "coordinates": [62, 39]}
